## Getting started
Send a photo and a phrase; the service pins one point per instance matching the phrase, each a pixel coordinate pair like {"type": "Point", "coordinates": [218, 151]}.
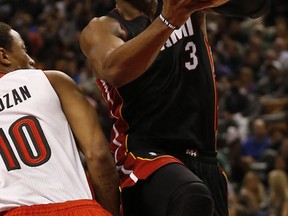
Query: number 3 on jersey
{"type": "Point", "coordinates": [25, 133]}
{"type": "Point", "coordinates": [193, 60]}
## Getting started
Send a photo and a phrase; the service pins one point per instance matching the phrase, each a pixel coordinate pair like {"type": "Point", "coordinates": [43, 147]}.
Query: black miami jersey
{"type": "Point", "coordinates": [171, 107]}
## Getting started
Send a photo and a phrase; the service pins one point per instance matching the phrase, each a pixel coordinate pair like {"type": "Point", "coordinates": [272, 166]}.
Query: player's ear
{"type": "Point", "coordinates": [4, 58]}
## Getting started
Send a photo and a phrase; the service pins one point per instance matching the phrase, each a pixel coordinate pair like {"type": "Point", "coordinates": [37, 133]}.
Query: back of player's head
{"type": "Point", "coordinates": [5, 36]}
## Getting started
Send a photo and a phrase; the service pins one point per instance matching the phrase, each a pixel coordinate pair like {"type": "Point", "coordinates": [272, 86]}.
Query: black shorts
{"type": "Point", "coordinates": [207, 168]}
{"type": "Point", "coordinates": [154, 195]}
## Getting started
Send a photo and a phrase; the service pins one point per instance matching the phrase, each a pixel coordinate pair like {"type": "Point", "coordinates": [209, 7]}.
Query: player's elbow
{"type": "Point", "coordinates": [84, 41]}
{"type": "Point", "coordinates": [98, 155]}
{"type": "Point", "coordinates": [114, 74]}
{"type": "Point", "coordinates": [87, 37]}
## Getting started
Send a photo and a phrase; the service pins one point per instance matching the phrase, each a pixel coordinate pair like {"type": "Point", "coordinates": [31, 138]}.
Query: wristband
{"type": "Point", "coordinates": [167, 23]}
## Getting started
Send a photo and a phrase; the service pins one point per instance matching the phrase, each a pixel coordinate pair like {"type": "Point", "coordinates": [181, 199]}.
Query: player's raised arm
{"type": "Point", "coordinates": [118, 61]}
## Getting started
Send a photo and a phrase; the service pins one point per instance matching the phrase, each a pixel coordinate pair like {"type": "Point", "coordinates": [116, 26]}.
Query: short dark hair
{"type": "Point", "coordinates": [5, 36]}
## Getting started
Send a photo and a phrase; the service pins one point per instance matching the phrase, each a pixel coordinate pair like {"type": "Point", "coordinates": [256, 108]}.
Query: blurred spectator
{"type": "Point", "coordinates": [281, 49]}
{"type": "Point", "coordinates": [221, 69]}
{"type": "Point", "coordinates": [252, 194]}
{"type": "Point", "coordinates": [247, 83]}
{"type": "Point", "coordinates": [235, 106]}
{"type": "Point", "coordinates": [256, 144]}
{"type": "Point", "coordinates": [272, 92]}
{"type": "Point", "coordinates": [271, 85]}
{"type": "Point", "coordinates": [271, 157]}
{"type": "Point", "coordinates": [281, 160]}
{"type": "Point", "coordinates": [277, 133]}
{"type": "Point", "coordinates": [237, 167]}
{"type": "Point", "coordinates": [253, 60]}
{"type": "Point", "coordinates": [278, 193]}
{"type": "Point", "coordinates": [230, 52]}
{"type": "Point", "coordinates": [235, 101]}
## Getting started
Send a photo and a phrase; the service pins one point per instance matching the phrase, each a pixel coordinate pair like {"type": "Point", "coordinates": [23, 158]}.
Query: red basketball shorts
{"type": "Point", "coordinates": [69, 208]}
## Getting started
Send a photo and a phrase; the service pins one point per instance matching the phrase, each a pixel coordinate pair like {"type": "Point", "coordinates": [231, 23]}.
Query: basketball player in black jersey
{"type": "Point", "coordinates": [154, 67]}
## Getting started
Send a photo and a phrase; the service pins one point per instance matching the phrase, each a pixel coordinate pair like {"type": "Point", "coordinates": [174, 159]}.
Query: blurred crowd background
{"type": "Point", "coordinates": [251, 65]}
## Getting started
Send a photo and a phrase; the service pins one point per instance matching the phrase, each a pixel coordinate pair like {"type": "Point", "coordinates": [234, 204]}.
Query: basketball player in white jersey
{"type": "Point", "coordinates": [40, 169]}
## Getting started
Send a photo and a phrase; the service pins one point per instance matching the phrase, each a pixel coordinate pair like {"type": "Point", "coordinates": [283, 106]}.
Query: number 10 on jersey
{"type": "Point", "coordinates": [25, 133]}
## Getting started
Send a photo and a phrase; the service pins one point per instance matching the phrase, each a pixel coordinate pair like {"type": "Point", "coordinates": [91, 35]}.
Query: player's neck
{"type": "Point", "coordinates": [5, 70]}
{"type": "Point", "coordinates": [2, 74]}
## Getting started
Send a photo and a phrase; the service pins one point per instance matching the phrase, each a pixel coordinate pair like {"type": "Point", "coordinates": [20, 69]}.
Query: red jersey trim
{"type": "Point", "coordinates": [136, 168]}
{"type": "Point", "coordinates": [115, 102]}
{"type": "Point", "coordinates": [130, 167]}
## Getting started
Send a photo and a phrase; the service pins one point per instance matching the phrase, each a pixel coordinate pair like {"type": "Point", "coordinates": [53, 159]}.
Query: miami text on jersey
{"type": "Point", "coordinates": [14, 97]}
{"type": "Point", "coordinates": [185, 31]}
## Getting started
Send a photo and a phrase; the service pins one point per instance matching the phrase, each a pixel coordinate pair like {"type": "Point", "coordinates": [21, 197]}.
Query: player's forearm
{"type": "Point", "coordinates": [245, 8]}
{"type": "Point", "coordinates": [105, 181]}
{"type": "Point", "coordinates": [108, 193]}
{"type": "Point", "coordinates": [130, 60]}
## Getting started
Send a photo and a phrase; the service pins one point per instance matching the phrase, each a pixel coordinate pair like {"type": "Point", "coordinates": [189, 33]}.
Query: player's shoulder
{"type": "Point", "coordinates": [56, 76]}
{"type": "Point", "coordinates": [104, 24]}
{"type": "Point", "coordinates": [53, 73]}
{"type": "Point", "coordinates": [60, 80]}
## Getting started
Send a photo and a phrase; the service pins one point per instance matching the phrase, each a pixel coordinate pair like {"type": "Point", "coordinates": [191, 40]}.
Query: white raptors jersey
{"type": "Point", "coordinates": [39, 160]}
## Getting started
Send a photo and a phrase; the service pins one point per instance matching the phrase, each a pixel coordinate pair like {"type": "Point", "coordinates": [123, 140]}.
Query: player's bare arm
{"type": "Point", "coordinates": [92, 142]}
{"type": "Point", "coordinates": [119, 62]}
